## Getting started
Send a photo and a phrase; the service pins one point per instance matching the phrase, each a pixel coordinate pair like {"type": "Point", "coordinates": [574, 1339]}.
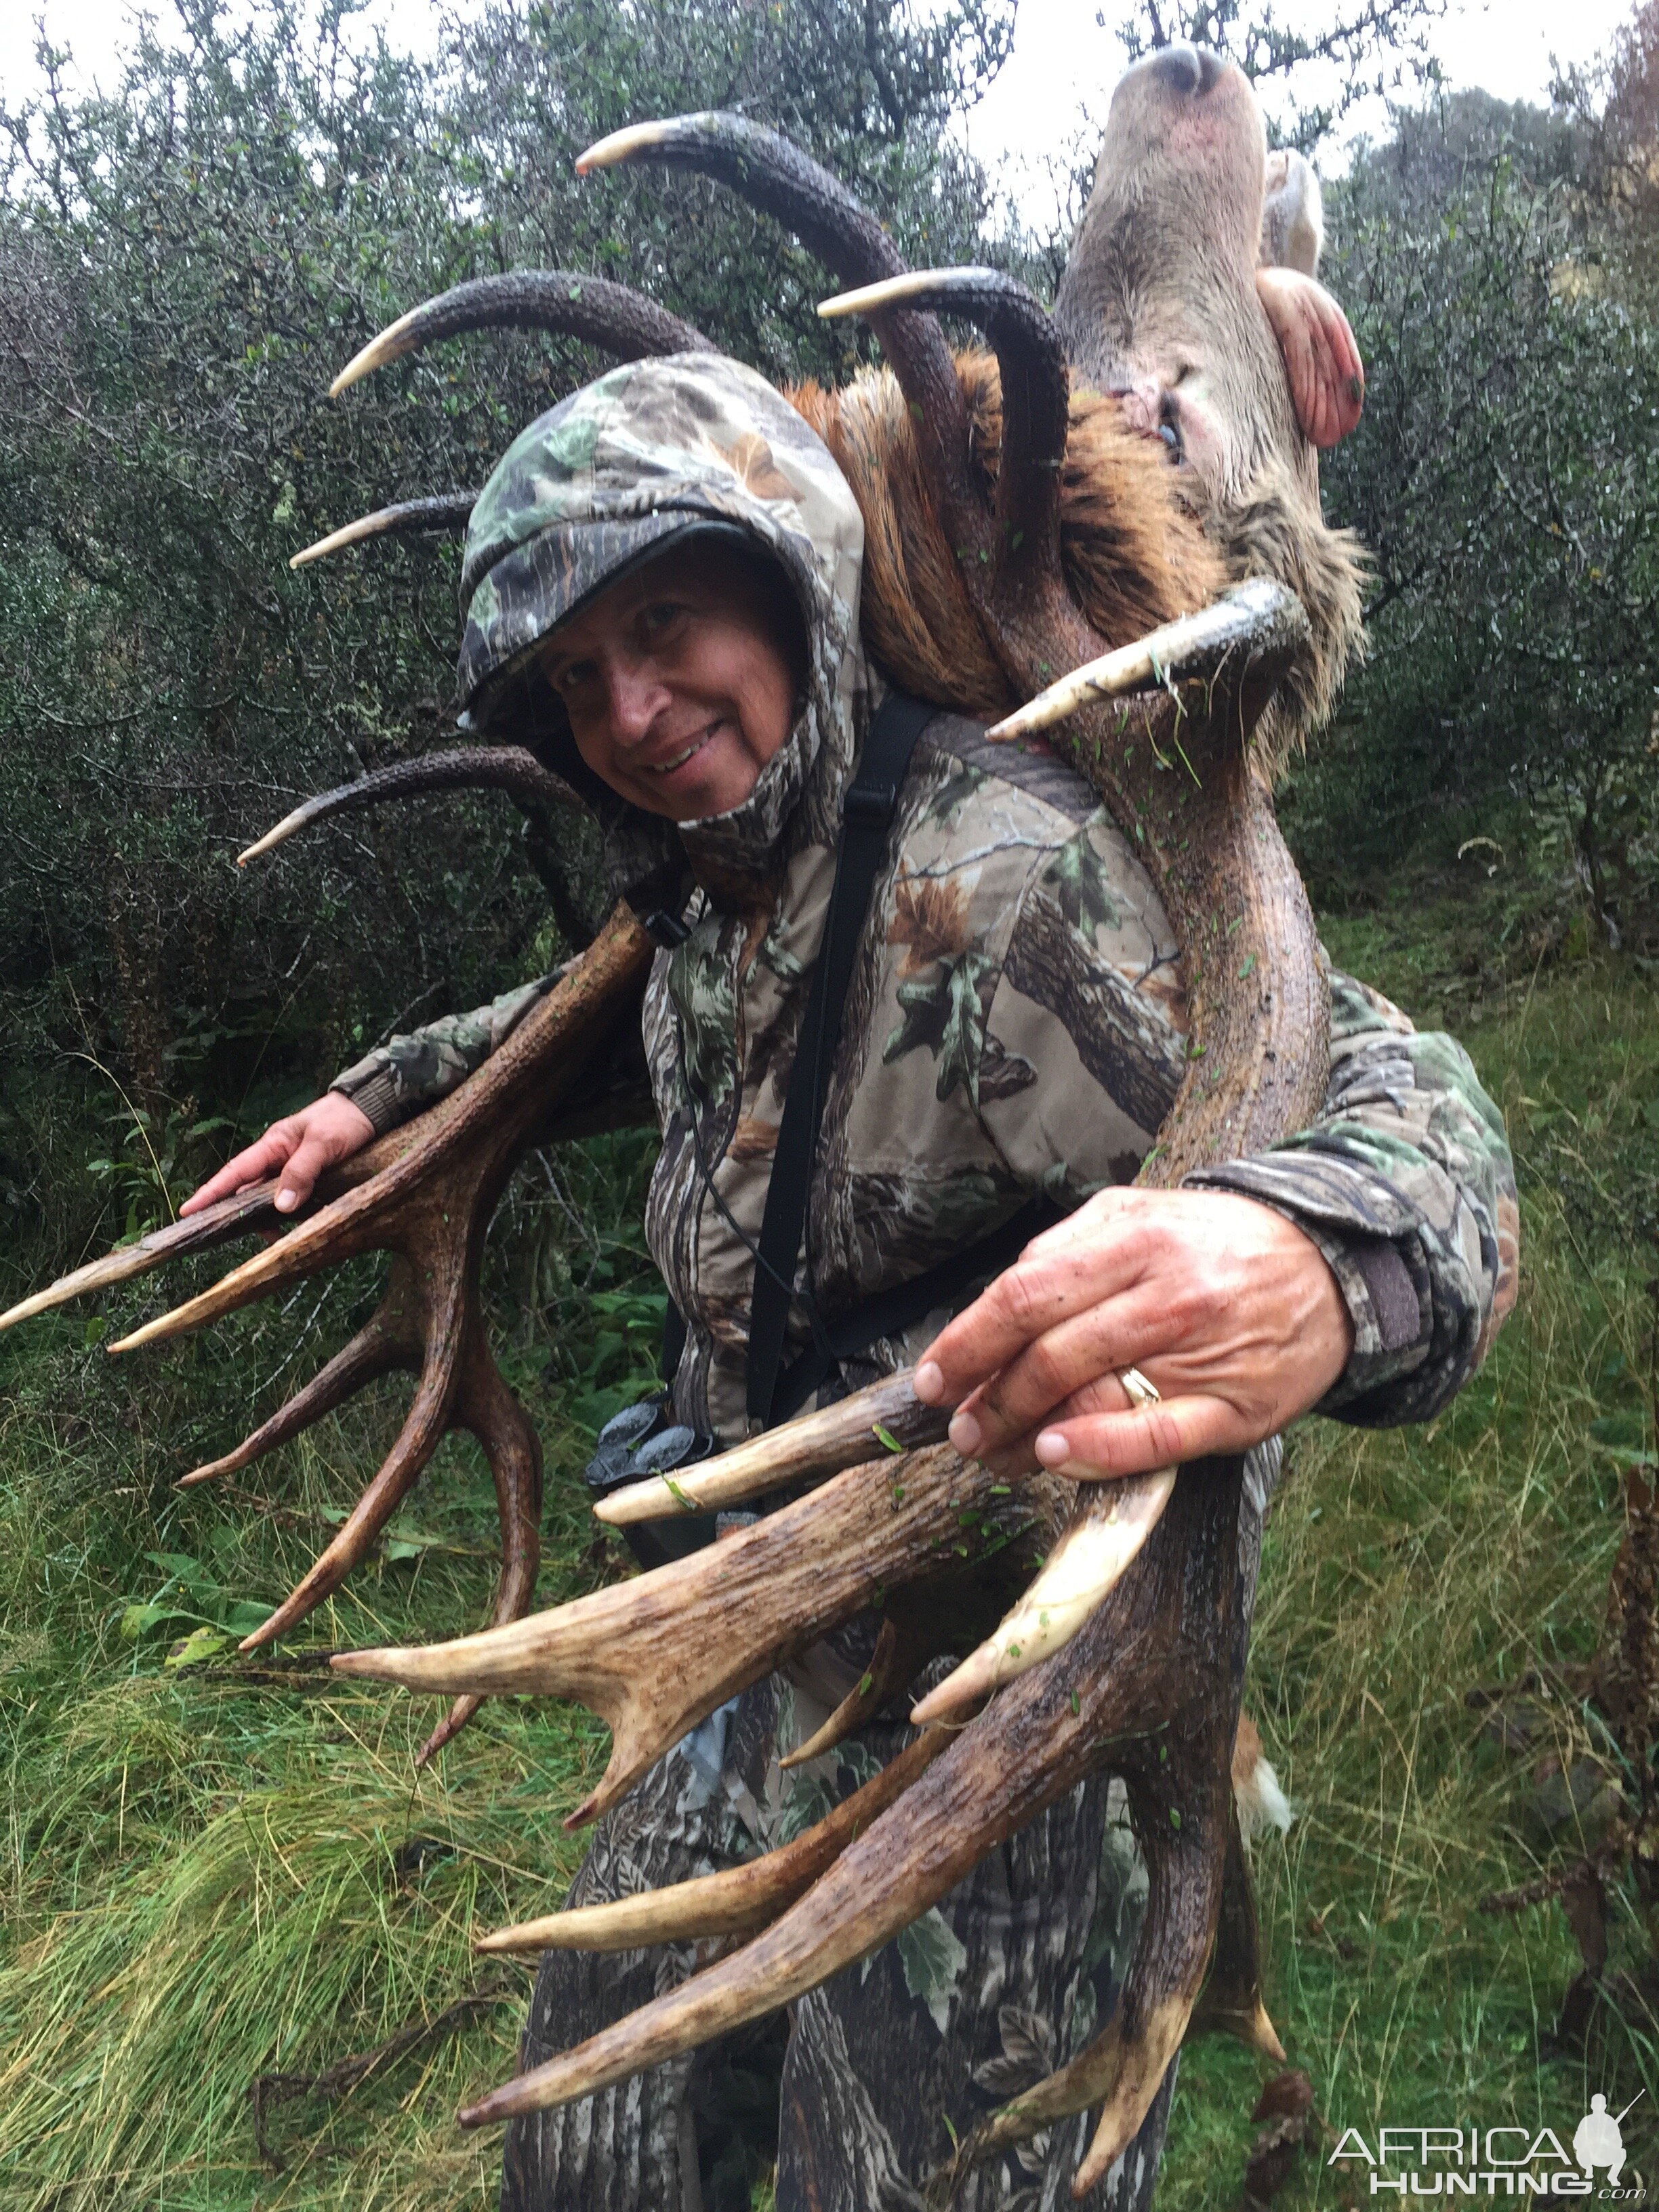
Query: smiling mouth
{"type": "Point", "coordinates": [668, 767]}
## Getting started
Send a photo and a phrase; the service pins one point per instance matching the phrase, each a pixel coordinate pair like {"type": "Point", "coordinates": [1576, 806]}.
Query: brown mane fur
{"type": "Point", "coordinates": [1135, 554]}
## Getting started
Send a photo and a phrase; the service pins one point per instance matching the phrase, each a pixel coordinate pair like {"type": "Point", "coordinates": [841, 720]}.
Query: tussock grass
{"type": "Point", "coordinates": [1402, 1570]}
{"type": "Point", "coordinates": [208, 1878]}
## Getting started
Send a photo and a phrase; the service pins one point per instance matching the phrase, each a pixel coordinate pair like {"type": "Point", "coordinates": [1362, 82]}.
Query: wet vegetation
{"type": "Point", "coordinates": [235, 1963]}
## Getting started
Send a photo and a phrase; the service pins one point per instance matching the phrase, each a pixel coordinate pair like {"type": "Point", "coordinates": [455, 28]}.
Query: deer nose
{"type": "Point", "coordinates": [1189, 72]}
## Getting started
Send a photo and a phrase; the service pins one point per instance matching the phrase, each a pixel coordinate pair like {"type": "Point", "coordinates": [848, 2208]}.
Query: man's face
{"type": "Point", "coordinates": [680, 681]}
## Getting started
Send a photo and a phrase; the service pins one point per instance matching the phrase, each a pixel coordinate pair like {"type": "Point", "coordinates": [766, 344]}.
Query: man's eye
{"type": "Point", "coordinates": [663, 614]}
{"type": "Point", "coordinates": [572, 675]}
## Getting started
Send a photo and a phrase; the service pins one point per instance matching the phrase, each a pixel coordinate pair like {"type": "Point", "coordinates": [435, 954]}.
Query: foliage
{"type": "Point", "coordinates": [1358, 49]}
{"type": "Point", "coordinates": [218, 1873]}
{"type": "Point", "coordinates": [1505, 480]}
{"type": "Point", "coordinates": [184, 263]}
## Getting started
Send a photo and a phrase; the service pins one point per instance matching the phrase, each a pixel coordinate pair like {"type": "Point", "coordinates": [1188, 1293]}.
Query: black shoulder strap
{"type": "Point", "coordinates": [948, 1284]}
{"type": "Point", "coordinates": [872, 800]}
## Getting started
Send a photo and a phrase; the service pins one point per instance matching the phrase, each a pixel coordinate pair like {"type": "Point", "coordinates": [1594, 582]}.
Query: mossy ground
{"type": "Point", "coordinates": [215, 1875]}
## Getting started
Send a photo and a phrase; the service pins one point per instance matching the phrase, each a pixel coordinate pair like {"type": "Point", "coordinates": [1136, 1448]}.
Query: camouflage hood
{"type": "Point", "coordinates": [626, 464]}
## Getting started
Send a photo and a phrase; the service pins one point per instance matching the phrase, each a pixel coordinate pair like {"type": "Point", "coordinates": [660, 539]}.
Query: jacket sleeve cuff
{"type": "Point", "coordinates": [371, 1087]}
{"type": "Point", "coordinates": [1413, 1344]}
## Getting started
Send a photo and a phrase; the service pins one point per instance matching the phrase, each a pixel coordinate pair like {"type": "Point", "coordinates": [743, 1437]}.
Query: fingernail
{"type": "Point", "coordinates": [287, 1201]}
{"type": "Point", "coordinates": [1052, 1448]}
{"type": "Point", "coordinates": [965, 1434]}
{"type": "Point", "coordinates": [928, 1382]}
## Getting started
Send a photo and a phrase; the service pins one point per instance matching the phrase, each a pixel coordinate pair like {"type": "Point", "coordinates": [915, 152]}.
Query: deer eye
{"type": "Point", "coordinates": [1170, 430]}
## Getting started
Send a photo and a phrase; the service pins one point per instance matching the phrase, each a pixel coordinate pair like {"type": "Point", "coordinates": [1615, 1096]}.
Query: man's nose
{"type": "Point", "coordinates": [635, 696]}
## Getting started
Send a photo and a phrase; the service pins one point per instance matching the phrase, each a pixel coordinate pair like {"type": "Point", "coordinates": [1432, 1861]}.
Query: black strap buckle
{"type": "Point", "coordinates": [869, 805]}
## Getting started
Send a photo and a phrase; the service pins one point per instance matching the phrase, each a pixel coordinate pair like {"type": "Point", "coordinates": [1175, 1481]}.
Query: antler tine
{"type": "Point", "coordinates": [1255, 626]}
{"type": "Point", "coordinates": [903, 1647]}
{"type": "Point", "coordinates": [423, 1429]}
{"type": "Point", "coordinates": [488, 1409]}
{"type": "Point", "coordinates": [339, 1231]}
{"type": "Point", "coordinates": [408, 518]}
{"type": "Point", "coordinates": [512, 768]}
{"type": "Point", "coordinates": [236, 1216]}
{"type": "Point", "coordinates": [776, 177]}
{"type": "Point", "coordinates": [813, 1445]}
{"type": "Point", "coordinates": [768, 172]}
{"type": "Point", "coordinates": [1124, 1676]}
{"type": "Point", "coordinates": [1231, 2000]}
{"type": "Point", "coordinates": [1037, 389]}
{"type": "Point", "coordinates": [389, 1339]}
{"type": "Point", "coordinates": [613, 316]}
{"type": "Point", "coordinates": [654, 1656]}
{"type": "Point", "coordinates": [738, 1901]}
{"type": "Point", "coordinates": [1093, 1554]}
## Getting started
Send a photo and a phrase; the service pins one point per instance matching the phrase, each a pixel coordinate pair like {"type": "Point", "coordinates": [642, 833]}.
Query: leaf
{"type": "Point", "coordinates": [1082, 887]}
{"type": "Point", "coordinates": [138, 1621]}
{"type": "Point", "coordinates": [944, 1013]}
{"type": "Point", "coordinates": [809, 1801]}
{"type": "Point", "coordinates": [201, 1644]}
{"type": "Point", "coordinates": [402, 1541]}
{"type": "Point", "coordinates": [931, 1956]}
{"type": "Point", "coordinates": [1027, 2055]}
{"type": "Point", "coordinates": [180, 1565]}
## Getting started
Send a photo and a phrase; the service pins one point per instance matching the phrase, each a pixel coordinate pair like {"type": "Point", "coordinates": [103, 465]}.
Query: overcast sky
{"type": "Point", "coordinates": [1063, 66]}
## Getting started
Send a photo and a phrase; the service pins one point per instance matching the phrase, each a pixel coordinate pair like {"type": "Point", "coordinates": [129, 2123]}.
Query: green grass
{"type": "Point", "coordinates": [210, 1877]}
{"type": "Point", "coordinates": [1404, 1568]}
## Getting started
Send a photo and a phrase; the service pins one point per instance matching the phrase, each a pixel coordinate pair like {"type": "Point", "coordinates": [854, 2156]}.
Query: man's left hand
{"type": "Point", "coordinates": [1226, 1307]}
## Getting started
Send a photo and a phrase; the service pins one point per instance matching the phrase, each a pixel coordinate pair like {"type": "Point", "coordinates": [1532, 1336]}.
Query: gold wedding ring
{"type": "Point", "coordinates": [1140, 1393]}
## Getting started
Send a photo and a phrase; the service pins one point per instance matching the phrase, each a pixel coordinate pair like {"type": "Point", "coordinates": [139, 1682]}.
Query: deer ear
{"type": "Point", "coordinates": [1321, 357]}
{"type": "Point", "coordinates": [1292, 215]}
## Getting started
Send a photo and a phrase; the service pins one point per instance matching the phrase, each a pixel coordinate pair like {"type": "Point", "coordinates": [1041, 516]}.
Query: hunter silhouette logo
{"type": "Point", "coordinates": [1597, 2142]}
{"type": "Point", "coordinates": [1509, 2161]}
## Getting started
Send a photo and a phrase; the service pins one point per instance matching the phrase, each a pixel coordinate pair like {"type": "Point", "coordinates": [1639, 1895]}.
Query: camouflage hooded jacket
{"type": "Point", "coordinates": [1015, 1021]}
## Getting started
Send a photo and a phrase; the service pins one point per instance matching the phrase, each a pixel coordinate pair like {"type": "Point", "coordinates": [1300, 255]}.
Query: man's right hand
{"type": "Point", "coordinates": [302, 1145]}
